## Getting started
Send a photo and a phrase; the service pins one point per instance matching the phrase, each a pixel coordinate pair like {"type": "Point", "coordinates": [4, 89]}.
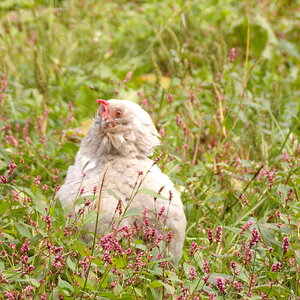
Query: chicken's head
{"type": "Point", "coordinates": [127, 126]}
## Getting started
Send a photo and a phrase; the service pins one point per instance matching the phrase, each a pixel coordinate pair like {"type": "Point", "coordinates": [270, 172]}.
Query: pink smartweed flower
{"type": "Point", "coordinates": [145, 218]}
{"type": "Point", "coordinates": [255, 237]}
{"type": "Point", "coordinates": [193, 248]}
{"type": "Point", "coordinates": [107, 258]}
{"type": "Point", "coordinates": [140, 94]}
{"type": "Point", "coordinates": [219, 234]}
{"type": "Point", "coordinates": [3, 87]}
{"type": "Point", "coordinates": [26, 134]}
{"type": "Point", "coordinates": [110, 242]}
{"type": "Point", "coordinates": [128, 251]}
{"type": "Point", "coordinates": [169, 236]}
{"type": "Point", "coordinates": [5, 127]}
{"type": "Point", "coordinates": [28, 270]}
{"type": "Point", "coordinates": [12, 246]}
{"type": "Point", "coordinates": [170, 195]}
{"type": "Point", "coordinates": [25, 247]}
{"type": "Point", "coordinates": [238, 286]}
{"type": "Point", "coordinates": [246, 227]}
{"type": "Point", "coordinates": [270, 176]}
{"type": "Point", "coordinates": [162, 132]}
{"type": "Point", "coordinates": [206, 267]}
{"type": "Point", "coordinates": [15, 194]}
{"type": "Point", "coordinates": [4, 179]}
{"type": "Point", "coordinates": [12, 167]}
{"type": "Point", "coordinates": [28, 289]}
{"type": "Point", "coordinates": [10, 296]}
{"type": "Point", "coordinates": [158, 239]}
{"type": "Point", "coordinates": [95, 190]}
{"type": "Point", "coordinates": [220, 285]}
{"type": "Point", "coordinates": [24, 259]}
{"type": "Point", "coordinates": [276, 267]}
{"type": "Point", "coordinates": [192, 96]}
{"type": "Point", "coordinates": [248, 255]}
{"type": "Point", "coordinates": [70, 105]}
{"type": "Point", "coordinates": [161, 212]}
{"type": "Point", "coordinates": [85, 264]}
{"type": "Point", "coordinates": [48, 221]}
{"type": "Point", "coordinates": [145, 102]}
{"type": "Point", "coordinates": [59, 262]}
{"type": "Point", "coordinates": [285, 244]}
{"type": "Point", "coordinates": [2, 278]}
{"type": "Point", "coordinates": [193, 274]}
{"type": "Point", "coordinates": [68, 119]}
{"type": "Point", "coordinates": [232, 55]}
{"type": "Point", "coordinates": [38, 180]}
{"type": "Point", "coordinates": [210, 235]}
{"type": "Point", "coordinates": [43, 296]}
{"type": "Point", "coordinates": [11, 139]}
{"type": "Point", "coordinates": [244, 198]}
{"type": "Point", "coordinates": [286, 157]}
{"type": "Point", "coordinates": [179, 120]}
{"type": "Point", "coordinates": [233, 265]}
{"type": "Point", "coordinates": [211, 296]}
{"type": "Point", "coordinates": [127, 77]}
{"type": "Point", "coordinates": [170, 98]}
{"type": "Point", "coordinates": [292, 261]}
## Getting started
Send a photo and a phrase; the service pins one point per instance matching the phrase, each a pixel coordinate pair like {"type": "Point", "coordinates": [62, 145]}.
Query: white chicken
{"type": "Point", "coordinates": [113, 156]}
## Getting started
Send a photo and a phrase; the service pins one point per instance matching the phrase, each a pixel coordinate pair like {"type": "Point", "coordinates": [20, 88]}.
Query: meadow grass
{"type": "Point", "coordinates": [220, 80]}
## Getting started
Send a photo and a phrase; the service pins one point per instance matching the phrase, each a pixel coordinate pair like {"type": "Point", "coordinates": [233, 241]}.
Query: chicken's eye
{"type": "Point", "coordinates": [118, 113]}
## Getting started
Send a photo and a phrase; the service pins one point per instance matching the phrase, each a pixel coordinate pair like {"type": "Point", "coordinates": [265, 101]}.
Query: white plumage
{"type": "Point", "coordinates": [118, 143]}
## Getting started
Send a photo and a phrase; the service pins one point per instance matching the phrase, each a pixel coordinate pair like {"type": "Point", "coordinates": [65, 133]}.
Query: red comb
{"type": "Point", "coordinates": [105, 106]}
{"type": "Point", "coordinates": [104, 102]}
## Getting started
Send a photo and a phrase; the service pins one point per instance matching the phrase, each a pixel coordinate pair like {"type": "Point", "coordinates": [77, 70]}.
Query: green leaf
{"type": "Point", "coordinates": [111, 192]}
{"type": "Point", "coordinates": [81, 281]}
{"type": "Point", "coordinates": [65, 285]}
{"type": "Point", "coordinates": [169, 289]}
{"type": "Point", "coordinates": [59, 219]}
{"type": "Point", "coordinates": [71, 264]}
{"type": "Point", "coordinates": [32, 281]}
{"type": "Point", "coordinates": [108, 295]}
{"type": "Point", "coordinates": [155, 284]}
{"type": "Point", "coordinates": [133, 212]}
{"type": "Point", "coordinates": [151, 193]}
{"type": "Point", "coordinates": [80, 247]}
{"type": "Point", "coordinates": [4, 154]}
{"type": "Point", "coordinates": [91, 217]}
{"type": "Point", "coordinates": [262, 22]}
{"type": "Point", "coordinates": [23, 230]}
{"type": "Point", "coordinates": [3, 206]}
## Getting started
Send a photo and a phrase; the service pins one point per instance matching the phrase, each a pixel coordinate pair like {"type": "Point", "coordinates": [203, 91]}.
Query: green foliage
{"type": "Point", "coordinates": [229, 121]}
